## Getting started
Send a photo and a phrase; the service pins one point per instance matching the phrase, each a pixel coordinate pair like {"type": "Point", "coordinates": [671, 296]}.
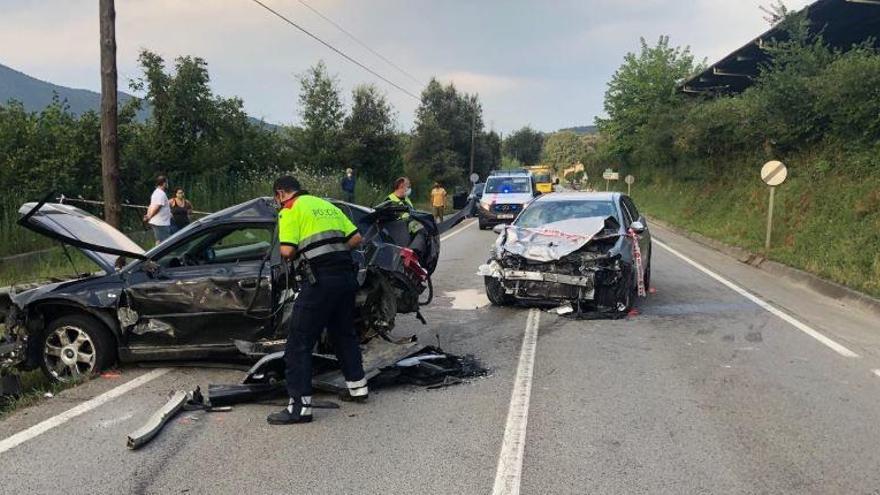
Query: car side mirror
{"type": "Point", "coordinates": [499, 229]}
{"type": "Point", "coordinates": [637, 227]}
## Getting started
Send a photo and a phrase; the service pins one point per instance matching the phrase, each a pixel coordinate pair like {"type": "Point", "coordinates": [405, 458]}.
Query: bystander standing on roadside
{"type": "Point", "coordinates": [348, 184]}
{"type": "Point", "coordinates": [159, 213]}
{"type": "Point", "coordinates": [181, 209]}
{"type": "Point", "coordinates": [438, 201]}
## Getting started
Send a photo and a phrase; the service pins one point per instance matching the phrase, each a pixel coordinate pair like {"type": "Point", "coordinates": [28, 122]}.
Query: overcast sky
{"type": "Point", "coordinates": [543, 63]}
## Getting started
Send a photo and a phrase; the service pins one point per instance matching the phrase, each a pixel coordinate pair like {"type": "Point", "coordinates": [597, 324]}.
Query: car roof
{"type": "Point", "coordinates": [578, 196]}
{"type": "Point", "coordinates": [509, 173]}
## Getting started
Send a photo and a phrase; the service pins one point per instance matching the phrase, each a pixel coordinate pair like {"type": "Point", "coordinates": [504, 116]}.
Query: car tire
{"type": "Point", "coordinates": [647, 276]}
{"type": "Point", "coordinates": [495, 292]}
{"type": "Point", "coordinates": [481, 224]}
{"type": "Point", "coordinates": [75, 346]}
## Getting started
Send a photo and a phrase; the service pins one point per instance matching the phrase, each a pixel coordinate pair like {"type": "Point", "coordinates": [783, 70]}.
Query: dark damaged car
{"type": "Point", "coordinates": [577, 251]}
{"type": "Point", "coordinates": [217, 284]}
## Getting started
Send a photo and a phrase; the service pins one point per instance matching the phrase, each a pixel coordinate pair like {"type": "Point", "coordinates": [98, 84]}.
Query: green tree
{"type": "Point", "coordinates": [562, 149]}
{"type": "Point", "coordinates": [372, 146]}
{"type": "Point", "coordinates": [524, 145]}
{"type": "Point", "coordinates": [441, 143]}
{"type": "Point", "coordinates": [322, 113]}
{"type": "Point", "coordinates": [642, 88]}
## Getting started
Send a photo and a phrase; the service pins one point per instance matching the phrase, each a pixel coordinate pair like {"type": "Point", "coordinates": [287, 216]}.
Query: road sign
{"type": "Point", "coordinates": [774, 173]}
{"type": "Point", "coordinates": [610, 175]}
{"type": "Point", "coordinates": [629, 182]}
{"type": "Point", "coordinates": [474, 178]}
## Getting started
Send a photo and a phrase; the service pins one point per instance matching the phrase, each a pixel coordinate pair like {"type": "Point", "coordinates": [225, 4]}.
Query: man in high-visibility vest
{"type": "Point", "coordinates": [318, 238]}
{"type": "Point", "coordinates": [401, 193]}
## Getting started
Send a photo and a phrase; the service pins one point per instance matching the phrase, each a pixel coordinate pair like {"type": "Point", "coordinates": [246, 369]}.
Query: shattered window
{"type": "Point", "coordinates": [544, 212]}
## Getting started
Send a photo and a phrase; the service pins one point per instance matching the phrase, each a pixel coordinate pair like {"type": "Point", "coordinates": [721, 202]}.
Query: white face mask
{"type": "Point", "coordinates": [408, 191]}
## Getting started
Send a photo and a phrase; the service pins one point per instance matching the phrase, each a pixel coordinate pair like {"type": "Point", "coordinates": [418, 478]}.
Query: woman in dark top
{"type": "Point", "coordinates": [180, 210]}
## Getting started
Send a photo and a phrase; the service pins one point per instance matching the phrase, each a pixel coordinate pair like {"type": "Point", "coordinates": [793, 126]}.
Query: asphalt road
{"type": "Point", "coordinates": [704, 391]}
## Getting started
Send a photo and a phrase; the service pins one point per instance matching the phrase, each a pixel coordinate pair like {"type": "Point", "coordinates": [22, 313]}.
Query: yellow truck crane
{"type": "Point", "coordinates": [543, 175]}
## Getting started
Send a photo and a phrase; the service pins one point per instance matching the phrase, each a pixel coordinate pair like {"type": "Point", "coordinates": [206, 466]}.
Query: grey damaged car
{"type": "Point", "coordinates": [580, 251]}
{"type": "Point", "coordinates": [207, 292]}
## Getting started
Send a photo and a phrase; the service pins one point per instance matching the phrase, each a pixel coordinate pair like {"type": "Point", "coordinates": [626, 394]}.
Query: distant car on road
{"type": "Point", "coordinates": [505, 195]}
{"type": "Point", "coordinates": [572, 248]}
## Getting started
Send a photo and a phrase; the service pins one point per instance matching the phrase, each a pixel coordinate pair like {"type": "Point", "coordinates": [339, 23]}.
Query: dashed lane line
{"type": "Point", "coordinates": [803, 327]}
{"type": "Point", "coordinates": [40, 428]}
{"type": "Point", "coordinates": [510, 460]}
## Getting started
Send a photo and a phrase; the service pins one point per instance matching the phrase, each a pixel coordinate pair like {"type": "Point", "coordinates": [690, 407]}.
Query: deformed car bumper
{"type": "Point", "coordinates": [541, 286]}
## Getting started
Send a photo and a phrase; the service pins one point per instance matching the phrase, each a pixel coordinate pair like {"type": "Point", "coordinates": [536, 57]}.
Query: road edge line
{"type": "Point", "coordinates": [803, 327]}
{"type": "Point", "coordinates": [510, 459]}
{"type": "Point", "coordinates": [458, 231]}
{"type": "Point", "coordinates": [59, 419]}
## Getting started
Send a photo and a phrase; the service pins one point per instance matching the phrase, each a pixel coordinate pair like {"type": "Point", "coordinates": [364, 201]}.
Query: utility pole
{"type": "Point", "coordinates": [473, 131]}
{"type": "Point", "coordinates": [109, 123]}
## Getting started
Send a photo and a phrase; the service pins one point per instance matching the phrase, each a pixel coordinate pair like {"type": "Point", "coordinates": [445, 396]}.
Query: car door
{"type": "Point", "coordinates": [203, 292]}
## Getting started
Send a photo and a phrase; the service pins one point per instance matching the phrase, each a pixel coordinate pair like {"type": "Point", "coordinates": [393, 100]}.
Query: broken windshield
{"type": "Point", "coordinates": [544, 212]}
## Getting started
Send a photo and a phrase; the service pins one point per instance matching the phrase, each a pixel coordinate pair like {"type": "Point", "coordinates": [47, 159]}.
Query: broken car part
{"type": "Point", "coordinates": [144, 434]}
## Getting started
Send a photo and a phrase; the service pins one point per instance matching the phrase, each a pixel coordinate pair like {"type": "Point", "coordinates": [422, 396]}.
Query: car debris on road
{"type": "Point", "coordinates": [429, 367]}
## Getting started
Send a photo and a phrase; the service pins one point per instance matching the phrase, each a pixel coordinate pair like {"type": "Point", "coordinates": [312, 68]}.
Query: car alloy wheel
{"type": "Point", "coordinates": [69, 353]}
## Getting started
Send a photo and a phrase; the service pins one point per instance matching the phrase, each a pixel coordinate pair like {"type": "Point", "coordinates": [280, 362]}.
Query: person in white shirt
{"type": "Point", "coordinates": [159, 213]}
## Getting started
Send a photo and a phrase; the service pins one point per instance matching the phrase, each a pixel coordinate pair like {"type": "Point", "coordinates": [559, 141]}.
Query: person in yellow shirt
{"type": "Point", "coordinates": [438, 201]}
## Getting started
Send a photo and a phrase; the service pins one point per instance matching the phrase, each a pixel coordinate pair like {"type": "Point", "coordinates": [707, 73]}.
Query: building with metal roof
{"type": "Point", "coordinates": [842, 24]}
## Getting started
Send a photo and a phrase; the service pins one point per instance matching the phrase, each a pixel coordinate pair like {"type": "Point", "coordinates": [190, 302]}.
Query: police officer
{"type": "Point", "coordinates": [318, 238]}
{"type": "Point", "coordinates": [401, 193]}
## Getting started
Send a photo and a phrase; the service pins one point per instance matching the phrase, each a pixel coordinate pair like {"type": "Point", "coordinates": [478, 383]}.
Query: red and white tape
{"type": "Point", "coordinates": [637, 259]}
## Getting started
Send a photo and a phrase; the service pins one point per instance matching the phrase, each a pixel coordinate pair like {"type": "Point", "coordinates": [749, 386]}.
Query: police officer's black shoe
{"type": "Point", "coordinates": [297, 411]}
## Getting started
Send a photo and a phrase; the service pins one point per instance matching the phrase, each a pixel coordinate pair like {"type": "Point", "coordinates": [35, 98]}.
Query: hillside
{"type": "Point", "coordinates": [36, 95]}
{"type": "Point", "coordinates": [581, 129]}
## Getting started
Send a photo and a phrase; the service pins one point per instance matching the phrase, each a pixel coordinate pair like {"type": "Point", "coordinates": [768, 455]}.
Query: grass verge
{"type": "Point", "coordinates": [825, 223]}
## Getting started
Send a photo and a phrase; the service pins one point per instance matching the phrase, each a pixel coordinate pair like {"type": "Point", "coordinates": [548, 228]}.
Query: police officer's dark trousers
{"type": "Point", "coordinates": [329, 304]}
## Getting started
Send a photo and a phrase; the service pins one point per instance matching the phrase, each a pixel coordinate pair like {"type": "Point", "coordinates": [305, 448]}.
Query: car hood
{"type": "Point", "coordinates": [99, 241]}
{"type": "Point", "coordinates": [555, 240]}
{"type": "Point", "coordinates": [506, 198]}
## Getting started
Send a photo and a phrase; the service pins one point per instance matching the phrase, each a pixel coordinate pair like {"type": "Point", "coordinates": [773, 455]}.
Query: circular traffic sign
{"type": "Point", "coordinates": [629, 179]}
{"type": "Point", "coordinates": [474, 178]}
{"type": "Point", "coordinates": [774, 173]}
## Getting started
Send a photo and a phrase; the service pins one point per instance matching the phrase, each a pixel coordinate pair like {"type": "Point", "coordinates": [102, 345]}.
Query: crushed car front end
{"type": "Point", "coordinates": [553, 268]}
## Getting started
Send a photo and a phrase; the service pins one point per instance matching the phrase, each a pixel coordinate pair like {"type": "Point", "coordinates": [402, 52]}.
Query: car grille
{"type": "Point", "coordinates": [502, 208]}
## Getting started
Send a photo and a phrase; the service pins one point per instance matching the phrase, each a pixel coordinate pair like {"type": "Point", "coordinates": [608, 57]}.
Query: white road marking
{"type": "Point", "coordinates": [40, 428]}
{"type": "Point", "coordinates": [510, 460]}
{"type": "Point", "coordinates": [876, 372]}
{"type": "Point", "coordinates": [459, 230]}
{"type": "Point", "coordinates": [803, 327]}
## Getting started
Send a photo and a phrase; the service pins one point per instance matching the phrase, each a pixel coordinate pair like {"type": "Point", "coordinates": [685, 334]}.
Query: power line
{"type": "Point", "coordinates": [358, 41]}
{"type": "Point", "coordinates": [339, 52]}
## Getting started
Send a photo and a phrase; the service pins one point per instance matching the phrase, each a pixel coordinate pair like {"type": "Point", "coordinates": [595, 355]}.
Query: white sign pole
{"type": "Point", "coordinates": [769, 220]}
{"type": "Point", "coordinates": [773, 173]}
